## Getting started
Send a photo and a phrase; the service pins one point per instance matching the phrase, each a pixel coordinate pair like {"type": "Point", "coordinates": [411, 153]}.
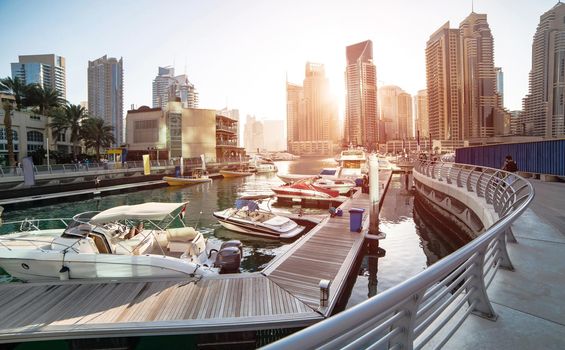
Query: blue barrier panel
{"type": "Point", "coordinates": [541, 157]}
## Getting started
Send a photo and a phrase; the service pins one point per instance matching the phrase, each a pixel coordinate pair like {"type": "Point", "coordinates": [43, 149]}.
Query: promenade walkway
{"type": "Point", "coordinates": [529, 301]}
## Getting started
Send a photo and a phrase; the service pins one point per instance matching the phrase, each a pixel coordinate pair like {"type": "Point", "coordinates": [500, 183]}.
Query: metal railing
{"type": "Point", "coordinates": [427, 309]}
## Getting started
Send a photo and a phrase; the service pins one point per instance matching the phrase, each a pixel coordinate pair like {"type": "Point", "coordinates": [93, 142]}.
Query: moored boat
{"type": "Point", "coordinates": [235, 173]}
{"type": "Point", "coordinates": [304, 189]}
{"type": "Point", "coordinates": [247, 218]}
{"type": "Point", "coordinates": [343, 186]}
{"type": "Point", "coordinates": [185, 180]}
{"type": "Point", "coordinates": [135, 241]}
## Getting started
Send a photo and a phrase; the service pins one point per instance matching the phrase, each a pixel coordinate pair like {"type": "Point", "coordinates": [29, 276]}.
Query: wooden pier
{"type": "Point", "coordinates": [286, 294]}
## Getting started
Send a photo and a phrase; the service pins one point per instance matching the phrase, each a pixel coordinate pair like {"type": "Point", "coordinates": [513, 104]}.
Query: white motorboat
{"type": "Point", "coordinates": [343, 186]}
{"type": "Point", "coordinates": [130, 241]}
{"type": "Point", "coordinates": [247, 218]}
{"type": "Point", "coordinates": [326, 173]}
{"type": "Point", "coordinates": [304, 189]}
{"type": "Point", "coordinates": [261, 165]}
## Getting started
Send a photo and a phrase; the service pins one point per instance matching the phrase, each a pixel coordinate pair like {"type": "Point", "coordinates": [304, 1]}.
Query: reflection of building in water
{"type": "Point", "coordinates": [438, 238]}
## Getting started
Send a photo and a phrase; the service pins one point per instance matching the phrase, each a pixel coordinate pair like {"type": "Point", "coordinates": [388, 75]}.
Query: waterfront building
{"type": "Point", "coordinates": [421, 113]}
{"type": "Point", "coordinates": [312, 114]}
{"type": "Point", "coordinates": [167, 87]}
{"type": "Point", "coordinates": [233, 114]}
{"type": "Point", "coordinates": [500, 83]}
{"type": "Point", "coordinates": [30, 132]}
{"type": "Point", "coordinates": [395, 107]}
{"type": "Point", "coordinates": [361, 102]}
{"type": "Point", "coordinates": [49, 71]}
{"type": "Point", "coordinates": [253, 136]}
{"type": "Point", "coordinates": [543, 106]}
{"type": "Point", "coordinates": [175, 131]}
{"type": "Point", "coordinates": [106, 91]}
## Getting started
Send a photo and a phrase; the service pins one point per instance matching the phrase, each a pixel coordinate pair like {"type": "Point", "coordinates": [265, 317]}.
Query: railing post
{"type": "Point", "coordinates": [510, 235]}
{"type": "Point", "coordinates": [406, 324]}
{"type": "Point", "coordinates": [468, 182]}
{"type": "Point", "coordinates": [505, 262]}
{"type": "Point", "coordinates": [459, 184]}
{"type": "Point", "coordinates": [483, 308]}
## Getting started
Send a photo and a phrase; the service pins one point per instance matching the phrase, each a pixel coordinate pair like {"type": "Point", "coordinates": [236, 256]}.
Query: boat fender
{"type": "Point", "coordinates": [64, 273]}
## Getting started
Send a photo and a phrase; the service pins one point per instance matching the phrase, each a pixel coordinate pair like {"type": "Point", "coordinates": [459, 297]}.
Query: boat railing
{"type": "Point", "coordinates": [427, 309]}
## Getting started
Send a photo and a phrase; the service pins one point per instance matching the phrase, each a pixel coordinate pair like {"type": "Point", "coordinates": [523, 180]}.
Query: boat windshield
{"type": "Point", "coordinates": [351, 164]}
{"type": "Point", "coordinates": [328, 172]}
{"type": "Point", "coordinates": [352, 153]}
{"type": "Point", "coordinates": [251, 205]}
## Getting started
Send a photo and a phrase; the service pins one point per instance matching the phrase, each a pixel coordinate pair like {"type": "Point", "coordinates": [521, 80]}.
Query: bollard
{"type": "Point", "coordinates": [64, 273]}
{"type": "Point", "coordinates": [324, 292]}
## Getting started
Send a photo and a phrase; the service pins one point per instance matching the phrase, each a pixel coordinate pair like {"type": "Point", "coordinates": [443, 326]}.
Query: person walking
{"type": "Point", "coordinates": [511, 167]}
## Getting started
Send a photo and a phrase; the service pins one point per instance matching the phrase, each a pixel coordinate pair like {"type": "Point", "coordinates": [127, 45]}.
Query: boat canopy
{"type": "Point", "coordinates": [145, 211]}
{"type": "Point", "coordinates": [251, 205]}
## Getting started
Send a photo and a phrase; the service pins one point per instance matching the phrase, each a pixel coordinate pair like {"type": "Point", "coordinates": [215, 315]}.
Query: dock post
{"type": "Point", "coordinates": [374, 194]}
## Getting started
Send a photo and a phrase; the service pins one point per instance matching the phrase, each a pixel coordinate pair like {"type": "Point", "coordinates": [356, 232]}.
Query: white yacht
{"type": "Point", "coordinates": [352, 164]}
{"type": "Point", "coordinates": [130, 241]}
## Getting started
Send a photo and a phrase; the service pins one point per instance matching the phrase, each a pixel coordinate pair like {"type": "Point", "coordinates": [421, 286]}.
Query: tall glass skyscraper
{"type": "Point", "coordinates": [361, 101]}
{"type": "Point", "coordinates": [48, 71]}
{"type": "Point", "coordinates": [106, 91]}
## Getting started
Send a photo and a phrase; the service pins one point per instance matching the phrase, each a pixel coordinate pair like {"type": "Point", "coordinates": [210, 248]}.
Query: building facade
{"type": "Point", "coordinates": [543, 107]}
{"type": "Point", "coordinates": [274, 129]}
{"type": "Point", "coordinates": [168, 87]}
{"type": "Point", "coordinates": [175, 131]}
{"type": "Point", "coordinates": [395, 113]}
{"type": "Point", "coordinates": [232, 114]}
{"type": "Point", "coordinates": [294, 110]}
{"type": "Point", "coordinates": [253, 136]}
{"type": "Point", "coordinates": [361, 128]}
{"type": "Point", "coordinates": [421, 113]}
{"type": "Point", "coordinates": [106, 91]}
{"type": "Point", "coordinates": [49, 71]}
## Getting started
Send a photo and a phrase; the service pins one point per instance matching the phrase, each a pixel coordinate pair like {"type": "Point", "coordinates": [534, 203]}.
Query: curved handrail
{"type": "Point", "coordinates": [428, 308]}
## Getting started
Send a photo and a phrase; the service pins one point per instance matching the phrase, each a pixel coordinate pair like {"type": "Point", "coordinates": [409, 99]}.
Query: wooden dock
{"type": "Point", "coordinates": [284, 295]}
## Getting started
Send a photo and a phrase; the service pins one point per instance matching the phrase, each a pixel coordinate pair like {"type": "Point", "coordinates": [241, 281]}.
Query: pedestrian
{"type": "Point", "coordinates": [511, 167]}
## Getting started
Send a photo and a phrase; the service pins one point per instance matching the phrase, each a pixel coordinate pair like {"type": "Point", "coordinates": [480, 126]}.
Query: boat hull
{"type": "Point", "coordinates": [180, 181]}
{"type": "Point", "coordinates": [256, 230]}
{"type": "Point", "coordinates": [229, 173]}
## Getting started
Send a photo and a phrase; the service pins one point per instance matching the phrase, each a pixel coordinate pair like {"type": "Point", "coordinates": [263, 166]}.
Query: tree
{"type": "Point", "coordinates": [70, 119]}
{"type": "Point", "coordinates": [96, 134]}
{"type": "Point", "coordinates": [44, 99]}
{"type": "Point", "coordinates": [15, 87]}
{"type": "Point", "coordinates": [8, 107]}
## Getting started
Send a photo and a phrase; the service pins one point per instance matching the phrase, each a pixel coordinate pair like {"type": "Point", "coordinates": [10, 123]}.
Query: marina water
{"type": "Point", "coordinates": [412, 242]}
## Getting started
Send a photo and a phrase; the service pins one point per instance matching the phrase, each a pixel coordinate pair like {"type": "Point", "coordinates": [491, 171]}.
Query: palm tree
{"type": "Point", "coordinates": [96, 134]}
{"type": "Point", "coordinates": [71, 119]}
{"type": "Point", "coordinates": [45, 99]}
{"type": "Point", "coordinates": [8, 107]}
{"type": "Point", "coordinates": [15, 87]}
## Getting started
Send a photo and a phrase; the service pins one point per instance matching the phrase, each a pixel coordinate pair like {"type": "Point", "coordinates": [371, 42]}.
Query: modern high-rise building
{"type": "Point", "coordinates": [168, 87]}
{"type": "Point", "coordinates": [421, 107]}
{"type": "Point", "coordinates": [544, 106]}
{"type": "Point", "coordinates": [106, 91]}
{"type": "Point", "coordinates": [483, 113]}
{"type": "Point", "coordinates": [294, 111]}
{"type": "Point", "coordinates": [500, 83]}
{"type": "Point", "coordinates": [361, 101]}
{"type": "Point", "coordinates": [395, 107]}
{"type": "Point", "coordinates": [443, 84]}
{"type": "Point", "coordinates": [312, 119]}
{"type": "Point", "coordinates": [274, 131]}
{"type": "Point", "coordinates": [49, 71]}
{"type": "Point", "coordinates": [253, 136]}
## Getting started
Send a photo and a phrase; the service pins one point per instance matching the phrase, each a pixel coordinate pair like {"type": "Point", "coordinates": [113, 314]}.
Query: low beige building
{"type": "Point", "coordinates": [174, 132]}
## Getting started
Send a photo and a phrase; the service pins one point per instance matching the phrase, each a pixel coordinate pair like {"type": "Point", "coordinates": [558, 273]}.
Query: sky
{"type": "Point", "coordinates": [239, 53]}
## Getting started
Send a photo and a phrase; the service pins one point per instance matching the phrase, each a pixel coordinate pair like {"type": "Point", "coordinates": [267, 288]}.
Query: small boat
{"type": "Point", "coordinates": [247, 218]}
{"type": "Point", "coordinates": [235, 173]}
{"type": "Point", "coordinates": [264, 168]}
{"type": "Point", "coordinates": [328, 173]}
{"type": "Point", "coordinates": [198, 176]}
{"type": "Point", "coordinates": [129, 241]}
{"type": "Point", "coordinates": [343, 186]}
{"type": "Point", "coordinates": [304, 189]}
{"type": "Point", "coordinates": [352, 163]}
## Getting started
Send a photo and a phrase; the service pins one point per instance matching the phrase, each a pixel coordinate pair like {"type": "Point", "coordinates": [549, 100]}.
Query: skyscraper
{"type": "Point", "coordinates": [361, 100]}
{"type": "Point", "coordinates": [483, 112]}
{"type": "Point", "coordinates": [167, 86]}
{"type": "Point", "coordinates": [105, 92]}
{"type": "Point", "coordinates": [421, 107]}
{"type": "Point", "coordinates": [395, 107]}
{"type": "Point", "coordinates": [312, 120]}
{"type": "Point", "coordinates": [253, 136]}
{"type": "Point", "coordinates": [544, 110]}
{"type": "Point", "coordinates": [49, 71]}
{"type": "Point", "coordinates": [443, 81]}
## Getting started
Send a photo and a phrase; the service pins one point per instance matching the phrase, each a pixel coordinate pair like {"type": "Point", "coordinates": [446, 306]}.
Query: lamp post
{"type": "Point", "coordinates": [47, 139]}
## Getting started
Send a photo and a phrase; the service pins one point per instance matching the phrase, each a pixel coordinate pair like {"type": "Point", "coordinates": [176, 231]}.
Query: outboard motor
{"type": "Point", "coordinates": [229, 257]}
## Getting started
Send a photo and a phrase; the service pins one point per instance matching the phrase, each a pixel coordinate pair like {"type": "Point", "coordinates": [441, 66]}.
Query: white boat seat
{"type": "Point", "coordinates": [181, 234]}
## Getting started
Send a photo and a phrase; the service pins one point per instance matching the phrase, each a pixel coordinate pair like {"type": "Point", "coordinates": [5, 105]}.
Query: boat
{"type": "Point", "coordinates": [326, 173]}
{"type": "Point", "coordinates": [304, 189]}
{"type": "Point", "coordinates": [235, 173]}
{"type": "Point", "coordinates": [343, 186]}
{"type": "Point", "coordinates": [352, 163]}
{"type": "Point", "coordinates": [246, 217]}
{"type": "Point", "coordinates": [197, 177]}
{"type": "Point", "coordinates": [262, 164]}
{"type": "Point", "coordinates": [129, 241]}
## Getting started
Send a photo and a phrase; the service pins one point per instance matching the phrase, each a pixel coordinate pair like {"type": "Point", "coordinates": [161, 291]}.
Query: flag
{"type": "Point", "coordinates": [182, 212]}
{"type": "Point", "coordinates": [146, 165]}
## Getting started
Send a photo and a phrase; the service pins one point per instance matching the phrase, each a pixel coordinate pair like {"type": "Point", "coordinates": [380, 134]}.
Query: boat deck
{"type": "Point", "coordinates": [285, 295]}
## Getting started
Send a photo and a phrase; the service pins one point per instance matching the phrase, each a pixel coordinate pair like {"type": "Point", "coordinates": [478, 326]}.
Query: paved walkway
{"type": "Point", "coordinates": [530, 301]}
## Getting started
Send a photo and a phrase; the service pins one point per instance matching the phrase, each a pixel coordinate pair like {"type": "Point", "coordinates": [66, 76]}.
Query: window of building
{"type": "Point", "coordinates": [62, 137]}
{"type": "Point", "coordinates": [3, 136]}
{"type": "Point", "coordinates": [34, 117]}
{"type": "Point", "coordinates": [145, 131]}
{"type": "Point", "coordinates": [34, 136]}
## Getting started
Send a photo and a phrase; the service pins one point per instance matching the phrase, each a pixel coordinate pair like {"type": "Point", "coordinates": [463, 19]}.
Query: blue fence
{"type": "Point", "coordinates": [542, 157]}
